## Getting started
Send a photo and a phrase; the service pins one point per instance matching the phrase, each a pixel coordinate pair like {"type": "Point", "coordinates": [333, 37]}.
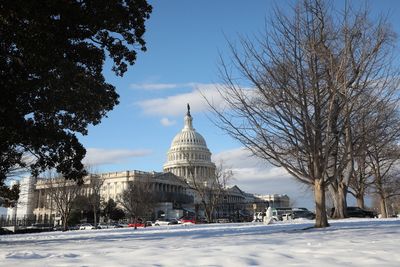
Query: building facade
{"type": "Point", "coordinates": [276, 200]}
{"type": "Point", "coordinates": [188, 157]}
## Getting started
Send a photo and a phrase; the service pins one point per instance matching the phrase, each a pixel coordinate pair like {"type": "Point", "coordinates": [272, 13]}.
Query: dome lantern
{"type": "Point", "coordinates": [188, 119]}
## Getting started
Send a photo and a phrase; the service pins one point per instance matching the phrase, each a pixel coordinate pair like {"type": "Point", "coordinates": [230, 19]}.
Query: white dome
{"type": "Point", "coordinates": [189, 149]}
{"type": "Point", "coordinates": [188, 137]}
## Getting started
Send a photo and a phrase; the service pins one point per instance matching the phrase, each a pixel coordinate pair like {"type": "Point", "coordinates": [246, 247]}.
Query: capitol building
{"type": "Point", "coordinates": [189, 149]}
{"type": "Point", "coordinates": [187, 157]}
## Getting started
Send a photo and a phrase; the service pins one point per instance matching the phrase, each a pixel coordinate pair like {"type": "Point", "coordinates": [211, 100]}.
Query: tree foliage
{"type": "Point", "coordinates": [51, 75]}
{"type": "Point", "coordinates": [112, 211]}
{"type": "Point", "coordinates": [9, 196]}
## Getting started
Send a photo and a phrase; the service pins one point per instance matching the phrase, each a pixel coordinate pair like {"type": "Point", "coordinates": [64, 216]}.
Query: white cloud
{"type": "Point", "coordinates": [167, 122]}
{"type": "Point", "coordinates": [257, 176]}
{"type": "Point", "coordinates": [100, 156]}
{"type": "Point", "coordinates": [238, 157]}
{"type": "Point", "coordinates": [176, 104]}
{"type": "Point", "coordinates": [247, 167]}
{"type": "Point", "coordinates": [153, 86]}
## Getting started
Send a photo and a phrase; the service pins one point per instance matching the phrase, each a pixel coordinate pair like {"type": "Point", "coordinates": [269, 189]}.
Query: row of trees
{"type": "Point", "coordinates": [69, 198]}
{"type": "Point", "coordinates": [68, 194]}
{"type": "Point", "coordinates": [317, 95]}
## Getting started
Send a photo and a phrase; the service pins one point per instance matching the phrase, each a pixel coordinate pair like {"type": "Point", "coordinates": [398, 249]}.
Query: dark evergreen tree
{"type": "Point", "coordinates": [51, 81]}
{"type": "Point", "coordinates": [112, 212]}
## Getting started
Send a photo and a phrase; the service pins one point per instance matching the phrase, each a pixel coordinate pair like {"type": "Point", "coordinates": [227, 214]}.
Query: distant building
{"type": "Point", "coordinates": [188, 155]}
{"type": "Point", "coordinates": [276, 200]}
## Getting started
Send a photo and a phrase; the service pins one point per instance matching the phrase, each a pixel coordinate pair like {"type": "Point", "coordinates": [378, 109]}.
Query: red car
{"type": "Point", "coordinates": [137, 224]}
{"type": "Point", "coordinates": [185, 220]}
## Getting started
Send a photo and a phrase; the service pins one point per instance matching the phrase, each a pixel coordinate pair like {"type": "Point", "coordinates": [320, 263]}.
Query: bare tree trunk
{"type": "Point", "coordinates": [207, 211]}
{"type": "Point", "coordinates": [341, 202]}
{"type": "Point", "coordinates": [333, 189]}
{"type": "Point", "coordinates": [338, 192]}
{"type": "Point", "coordinates": [320, 211]}
{"type": "Point", "coordinates": [64, 221]}
{"type": "Point", "coordinates": [95, 215]}
{"type": "Point", "coordinates": [196, 212]}
{"type": "Point", "coordinates": [382, 204]}
{"type": "Point", "coordinates": [360, 201]}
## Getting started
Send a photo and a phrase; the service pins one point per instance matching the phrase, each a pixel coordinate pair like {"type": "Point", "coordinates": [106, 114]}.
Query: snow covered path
{"type": "Point", "coordinates": [351, 242]}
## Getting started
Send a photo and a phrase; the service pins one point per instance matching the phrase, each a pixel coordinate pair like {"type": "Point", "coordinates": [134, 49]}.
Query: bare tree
{"type": "Point", "coordinates": [94, 184]}
{"type": "Point", "coordinates": [361, 181]}
{"type": "Point", "coordinates": [393, 203]}
{"type": "Point", "coordinates": [210, 190]}
{"type": "Point", "coordinates": [383, 161]}
{"type": "Point", "coordinates": [380, 146]}
{"type": "Point", "coordinates": [138, 199]}
{"type": "Point", "coordinates": [304, 79]}
{"type": "Point", "coordinates": [62, 192]}
{"type": "Point", "coordinates": [368, 125]}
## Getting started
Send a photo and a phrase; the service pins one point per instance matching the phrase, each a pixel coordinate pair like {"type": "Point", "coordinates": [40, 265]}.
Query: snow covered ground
{"type": "Point", "coordinates": [351, 242]}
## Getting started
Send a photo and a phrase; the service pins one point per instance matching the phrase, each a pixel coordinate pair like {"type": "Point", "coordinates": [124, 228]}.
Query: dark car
{"type": "Point", "coordinates": [5, 231]}
{"type": "Point", "coordinates": [116, 225]}
{"type": "Point", "coordinates": [303, 213]}
{"type": "Point", "coordinates": [40, 227]}
{"type": "Point", "coordinates": [360, 213]}
{"type": "Point", "coordinates": [357, 212]}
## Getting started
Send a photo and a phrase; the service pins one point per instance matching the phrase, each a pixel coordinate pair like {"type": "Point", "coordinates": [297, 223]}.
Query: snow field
{"type": "Point", "coordinates": [350, 242]}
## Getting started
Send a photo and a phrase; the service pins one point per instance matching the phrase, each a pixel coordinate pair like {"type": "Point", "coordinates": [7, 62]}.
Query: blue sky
{"type": "Point", "coordinates": [184, 39]}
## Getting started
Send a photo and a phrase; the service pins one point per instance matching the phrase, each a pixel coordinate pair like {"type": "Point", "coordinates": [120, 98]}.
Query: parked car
{"type": "Point", "coordinates": [74, 227]}
{"type": "Point", "coordinates": [109, 225]}
{"type": "Point", "coordinates": [139, 223]}
{"type": "Point", "coordinates": [104, 226]}
{"type": "Point", "coordinates": [302, 213]}
{"type": "Point", "coordinates": [5, 231]}
{"type": "Point", "coordinates": [201, 220]}
{"type": "Point", "coordinates": [357, 213]}
{"type": "Point", "coordinates": [86, 226]}
{"type": "Point", "coordinates": [187, 220]}
{"type": "Point", "coordinates": [116, 225]}
{"type": "Point", "coordinates": [165, 222]}
{"type": "Point", "coordinates": [278, 214]}
{"type": "Point", "coordinates": [58, 228]}
{"type": "Point", "coordinates": [360, 213]}
{"type": "Point", "coordinates": [41, 226]}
